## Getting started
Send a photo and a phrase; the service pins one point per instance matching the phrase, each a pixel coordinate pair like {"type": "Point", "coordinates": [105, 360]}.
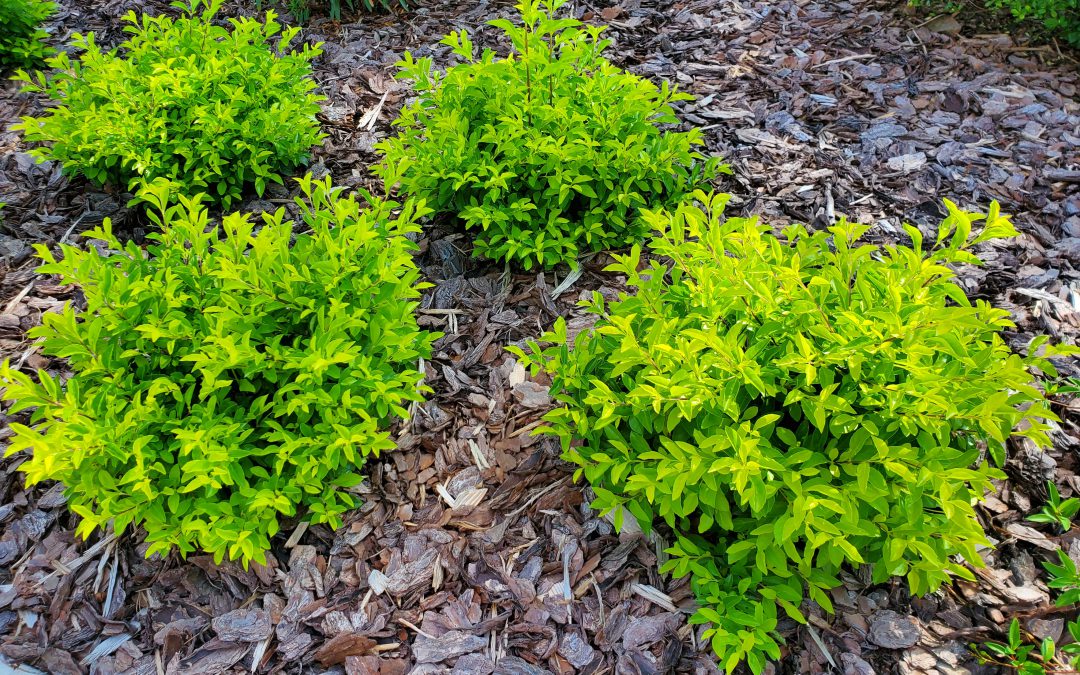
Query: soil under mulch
{"type": "Point", "coordinates": [474, 551]}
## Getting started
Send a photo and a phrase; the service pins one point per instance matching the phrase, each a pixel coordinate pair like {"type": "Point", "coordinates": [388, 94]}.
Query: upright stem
{"type": "Point", "coordinates": [551, 55]}
{"type": "Point", "coordinates": [528, 76]}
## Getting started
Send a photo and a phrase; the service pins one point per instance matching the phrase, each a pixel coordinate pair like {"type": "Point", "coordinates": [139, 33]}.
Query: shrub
{"type": "Point", "coordinates": [21, 37]}
{"type": "Point", "coordinates": [302, 9]}
{"type": "Point", "coordinates": [1056, 17]}
{"type": "Point", "coordinates": [1041, 657]}
{"type": "Point", "coordinates": [224, 379]}
{"type": "Point", "coordinates": [209, 108]}
{"type": "Point", "coordinates": [549, 152]}
{"type": "Point", "coordinates": [787, 405]}
{"type": "Point", "coordinates": [1034, 657]}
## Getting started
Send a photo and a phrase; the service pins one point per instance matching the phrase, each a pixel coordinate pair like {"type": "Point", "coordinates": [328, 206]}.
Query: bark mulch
{"type": "Point", "coordinates": [475, 552]}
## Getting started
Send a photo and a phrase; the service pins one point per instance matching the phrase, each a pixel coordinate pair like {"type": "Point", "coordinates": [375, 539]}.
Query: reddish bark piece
{"type": "Point", "coordinates": [338, 648]}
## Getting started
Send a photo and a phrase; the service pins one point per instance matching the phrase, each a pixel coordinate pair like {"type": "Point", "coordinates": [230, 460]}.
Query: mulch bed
{"type": "Point", "coordinates": [475, 552]}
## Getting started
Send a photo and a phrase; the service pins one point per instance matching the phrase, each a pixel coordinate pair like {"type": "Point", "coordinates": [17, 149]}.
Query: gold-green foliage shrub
{"type": "Point", "coordinates": [791, 404]}
{"type": "Point", "coordinates": [21, 36]}
{"type": "Point", "coordinates": [213, 109]}
{"type": "Point", "coordinates": [548, 153]}
{"type": "Point", "coordinates": [223, 378]}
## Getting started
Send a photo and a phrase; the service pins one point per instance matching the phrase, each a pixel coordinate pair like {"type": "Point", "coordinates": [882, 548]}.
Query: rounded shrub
{"type": "Point", "coordinates": [212, 109]}
{"type": "Point", "coordinates": [225, 378]}
{"type": "Point", "coordinates": [790, 404]}
{"type": "Point", "coordinates": [21, 36]}
{"type": "Point", "coordinates": [550, 152]}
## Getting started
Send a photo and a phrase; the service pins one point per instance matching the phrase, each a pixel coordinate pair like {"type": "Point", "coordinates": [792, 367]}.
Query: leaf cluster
{"type": "Point", "coordinates": [302, 9]}
{"type": "Point", "coordinates": [228, 376]}
{"type": "Point", "coordinates": [1057, 17]}
{"type": "Point", "coordinates": [550, 152]}
{"type": "Point", "coordinates": [791, 404]}
{"type": "Point", "coordinates": [1023, 653]}
{"type": "Point", "coordinates": [1068, 386]}
{"type": "Point", "coordinates": [213, 109]}
{"type": "Point", "coordinates": [1065, 578]}
{"type": "Point", "coordinates": [21, 36]}
{"type": "Point", "coordinates": [1026, 657]}
{"type": "Point", "coordinates": [1051, 17]}
{"type": "Point", "coordinates": [1057, 511]}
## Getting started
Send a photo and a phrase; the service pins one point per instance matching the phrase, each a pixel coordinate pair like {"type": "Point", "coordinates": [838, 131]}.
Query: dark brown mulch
{"type": "Point", "coordinates": [474, 551]}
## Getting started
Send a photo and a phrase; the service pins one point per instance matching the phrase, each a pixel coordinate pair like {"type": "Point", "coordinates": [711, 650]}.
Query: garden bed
{"type": "Point", "coordinates": [474, 550]}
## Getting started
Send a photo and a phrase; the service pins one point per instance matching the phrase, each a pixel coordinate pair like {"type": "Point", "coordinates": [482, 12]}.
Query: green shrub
{"type": "Point", "coordinates": [1059, 17]}
{"type": "Point", "coordinates": [1056, 17]}
{"type": "Point", "coordinates": [21, 36]}
{"type": "Point", "coordinates": [1026, 655]}
{"type": "Point", "coordinates": [302, 9]}
{"type": "Point", "coordinates": [1041, 657]}
{"type": "Point", "coordinates": [223, 378]}
{"type": "Point", "coordinates": [209, 108]}
{"type": "Point", "coordinates": [550, 152]}
{"type": "Point", "coordinates": [788, 405]}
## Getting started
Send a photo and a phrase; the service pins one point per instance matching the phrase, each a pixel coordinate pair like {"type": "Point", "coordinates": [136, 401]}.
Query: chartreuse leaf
{"type": "Point", "coordinates": [793, 404]}
{"type": "Point", "coordinates": [228, 375]}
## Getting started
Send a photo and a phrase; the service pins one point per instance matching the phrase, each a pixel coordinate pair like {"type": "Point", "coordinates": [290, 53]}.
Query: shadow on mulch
{"type": "Point", "coordinates": [474, 552]}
